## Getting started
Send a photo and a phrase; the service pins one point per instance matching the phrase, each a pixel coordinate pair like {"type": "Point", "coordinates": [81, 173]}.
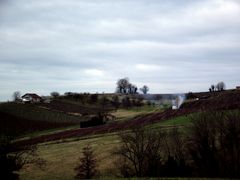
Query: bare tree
{"type": "Point", "coordinates": [212, 87]}
{"type": "Point", "coordinates": [140, 152]}
{"type": "Point", "coordinates": [132, 89]}
{"type": "Point", "coordinates": [221, 86]}
{"type": "Point", "coordinates": [144, 89]}
{"type": "Point", "coordinates": [214, 144]}
{"type": "Point", "coordinates": [228, 127]}
{"type": "Point", "coordinates": [87, 168]}
{"type": "Point", "coordinates": [123, 85]}
{"type": "Point", "coordinates": [203, 144]}
{"type": "Point", "coordinates": [176, 164]}
{"type": "Point", "coordinates": [210, 148]}
{"type": "Point", "coordinates": [177, 144]}
{"type": "Point", "coordinates": [16, 95]}
{"type": "Point", "coordinates": [55, 94]}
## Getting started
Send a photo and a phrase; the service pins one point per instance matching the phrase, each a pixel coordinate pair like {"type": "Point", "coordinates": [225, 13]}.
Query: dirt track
{"type": "Point", "coordinates": [221, 101]}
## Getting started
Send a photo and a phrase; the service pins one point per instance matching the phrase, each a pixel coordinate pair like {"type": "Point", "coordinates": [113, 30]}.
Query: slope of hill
{"type": "Point", "coordinates": [17, 126]}
{"type": "Point", "coordinates": [19, 119]}
{"type": "Point", "coordinates": [73, 107]}
{"type": "Point", "coordinates": [215, 101]}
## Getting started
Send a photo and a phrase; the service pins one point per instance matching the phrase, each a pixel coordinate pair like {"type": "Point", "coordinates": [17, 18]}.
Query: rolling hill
{"type": "Point", "coordinates": [225, 100]}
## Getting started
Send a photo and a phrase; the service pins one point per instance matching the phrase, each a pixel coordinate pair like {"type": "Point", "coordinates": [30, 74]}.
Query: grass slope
{"type": "Point", "coordinates": [62, 155]}
{"type": "Point", "coordinates": [126, 114]}
{"type": "Point", "coordinates": [62, 158]}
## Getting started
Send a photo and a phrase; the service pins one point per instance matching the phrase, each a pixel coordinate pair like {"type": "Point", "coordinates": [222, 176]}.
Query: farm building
{"type": "Point", "coordinates": [31, 98]}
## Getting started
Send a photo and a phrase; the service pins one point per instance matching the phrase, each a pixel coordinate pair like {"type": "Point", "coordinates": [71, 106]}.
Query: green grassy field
{"type": "Point", "coordinates": [126, 114]}
{"type": "Point", "coordinates": [62, 156]}
{"type": "Point", "coordinates": [46, 132]}
{"type": "Point", "coordinates": [180, 121]}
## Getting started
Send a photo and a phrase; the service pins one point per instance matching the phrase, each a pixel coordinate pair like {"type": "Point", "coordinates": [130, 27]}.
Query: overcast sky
{"type": "Point", "coordinates": [87, 45]}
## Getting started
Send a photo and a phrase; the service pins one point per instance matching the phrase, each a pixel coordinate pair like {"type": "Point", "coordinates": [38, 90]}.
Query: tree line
{"type": "Point", "coordinates": [125, 87]}
{"type": "Point", "coordinates": [115, 100]}
{"type": "Point", "coordinates": [220, 86]}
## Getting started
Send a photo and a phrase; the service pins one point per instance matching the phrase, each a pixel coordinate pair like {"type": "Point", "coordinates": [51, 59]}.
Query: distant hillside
{"type": "Point", "coordinates": [17, 126]}
{"type": "Point", "coordinates": [37, 113]}
{"type": "Point", "coordinates": [18, 119]}
{"type": "Point", "coordinates": [213, 100]}
{"type": "Point", "coordinates": [227, 100]}
{"type": "Point", "coordinates": [68, 106]}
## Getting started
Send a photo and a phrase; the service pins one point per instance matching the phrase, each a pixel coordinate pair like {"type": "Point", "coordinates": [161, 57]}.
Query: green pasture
{"type": "Point", "coordinates": [62, 156]}
{"type": "Point", "coordinates": [126, 114]}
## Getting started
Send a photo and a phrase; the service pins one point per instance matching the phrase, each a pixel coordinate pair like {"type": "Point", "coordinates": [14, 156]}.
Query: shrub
{"type": "Point", "coordinates": [87, 168]}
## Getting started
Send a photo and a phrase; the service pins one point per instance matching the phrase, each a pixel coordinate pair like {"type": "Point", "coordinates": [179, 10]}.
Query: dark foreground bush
{"type": "Point", "coordinates": [13, 158]}
{"type": "Point", "coordinates": [146, 153]}
{"type": "Point", "coordinates": [209, 148]}
{"type": "Point", "coordinates": [214, 144]}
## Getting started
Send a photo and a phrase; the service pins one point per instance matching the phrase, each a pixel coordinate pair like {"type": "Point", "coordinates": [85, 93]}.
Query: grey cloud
{"type": "Point", "coordinates": [87, 45]}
